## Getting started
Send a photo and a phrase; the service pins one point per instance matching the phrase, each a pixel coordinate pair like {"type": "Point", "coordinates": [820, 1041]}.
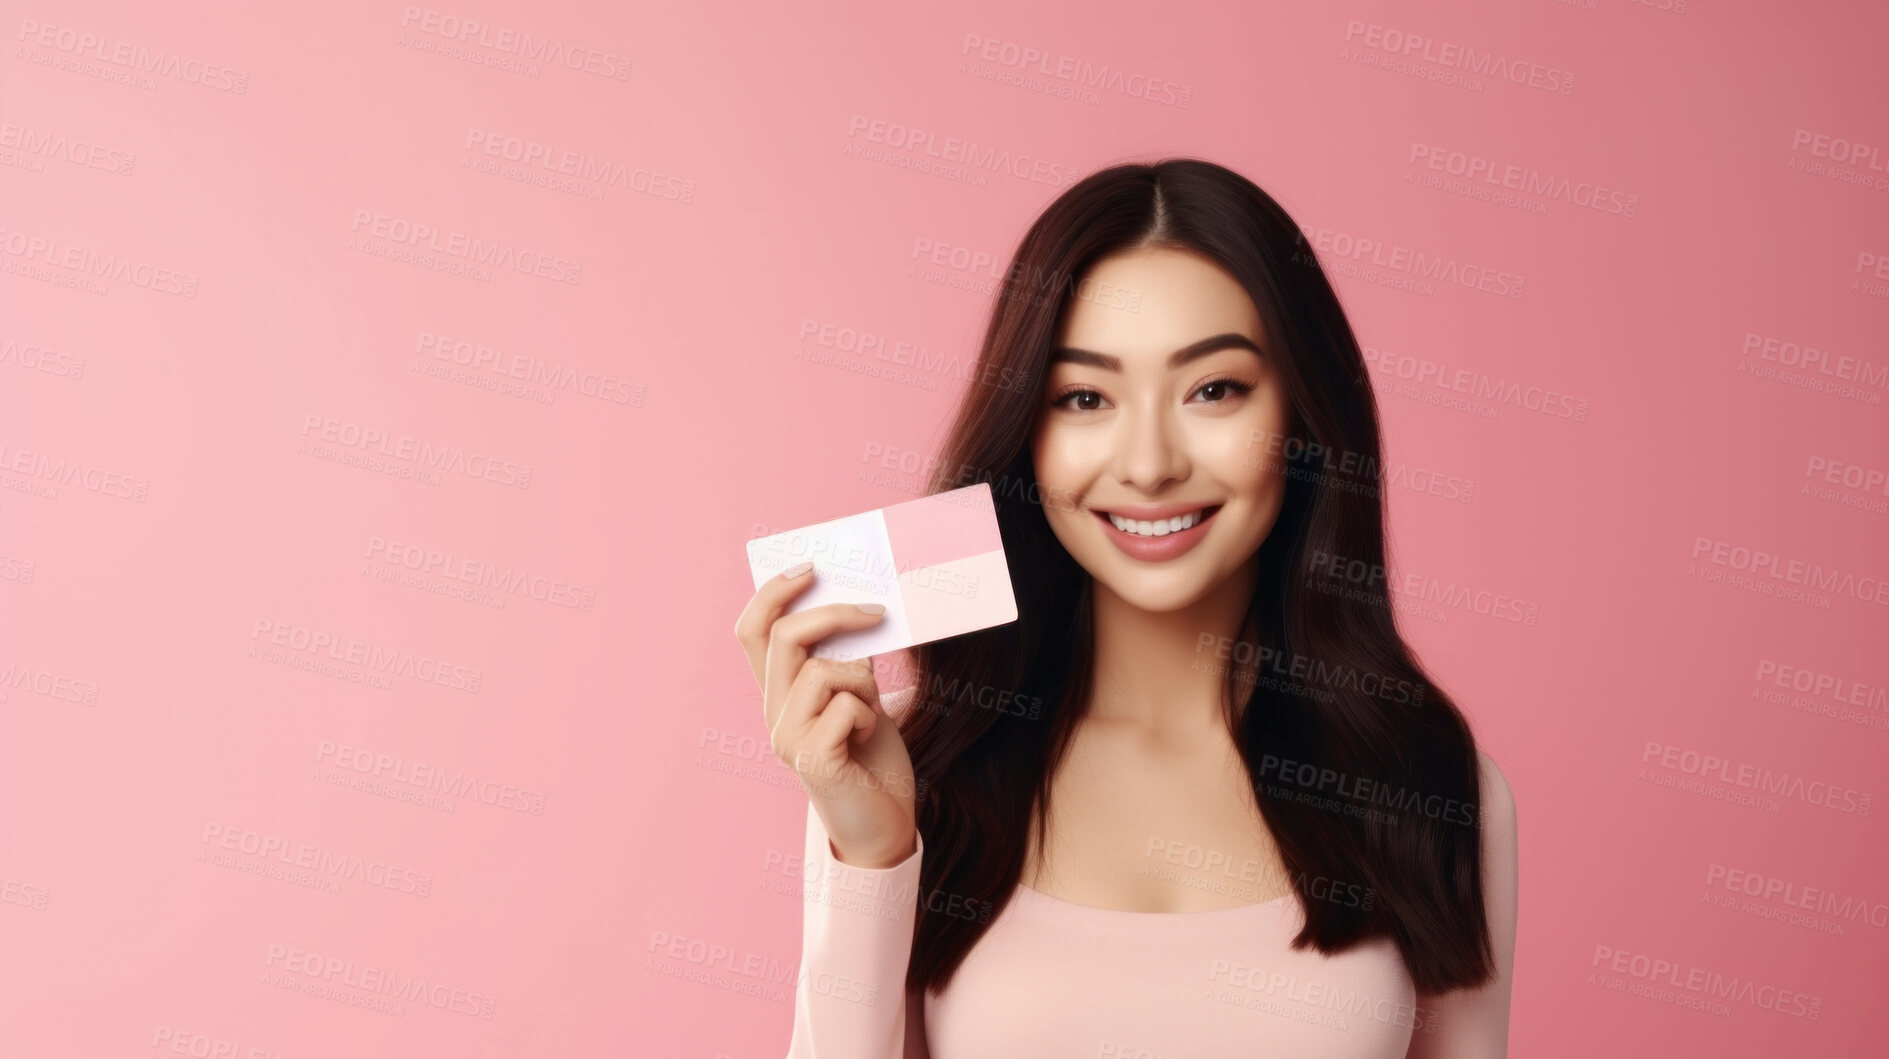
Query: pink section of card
{"type": "Point", "coordinates": [946, 599]}
{"type": "Point", "coordinates": [937, 529]}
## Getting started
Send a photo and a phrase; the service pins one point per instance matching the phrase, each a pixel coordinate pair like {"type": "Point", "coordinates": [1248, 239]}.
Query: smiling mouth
{"type": "Point", "coordinates": [1159, 527]}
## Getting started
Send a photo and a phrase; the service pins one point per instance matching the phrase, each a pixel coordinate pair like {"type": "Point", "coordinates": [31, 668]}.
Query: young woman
{"type": "Point", "coordinates": [1199, 799]}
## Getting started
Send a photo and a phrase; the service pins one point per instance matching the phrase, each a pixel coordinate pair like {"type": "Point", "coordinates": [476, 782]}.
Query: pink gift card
{"type": "Point", "coordinates": [936, 563]}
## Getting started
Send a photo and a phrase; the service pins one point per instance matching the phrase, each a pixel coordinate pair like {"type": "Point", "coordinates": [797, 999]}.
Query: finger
{"type": "Point", "coordinates": [792, 636]}
{"type": "Point", "coordinates": [768, 603]}
{"type": "Point", "coordinates": [845, 716]}
{"type": "Point", "coordinates": [820, 680]}
{"type": "Point", "coordinates": [864, 666]}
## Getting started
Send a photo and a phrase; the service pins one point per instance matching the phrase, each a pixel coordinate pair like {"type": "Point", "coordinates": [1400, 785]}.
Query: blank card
{"type": "Point", "coordinates": [936, 563]}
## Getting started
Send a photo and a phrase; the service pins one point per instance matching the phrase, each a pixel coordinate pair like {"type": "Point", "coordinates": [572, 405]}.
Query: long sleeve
{"type": "Point", "coordinates": [856, 944]}
{"type": "Point", "coordinates": [1474, 1023]}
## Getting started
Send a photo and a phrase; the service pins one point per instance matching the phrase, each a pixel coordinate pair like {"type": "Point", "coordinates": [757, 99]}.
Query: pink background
{"type": "Point", "coordinates": [181, 490]}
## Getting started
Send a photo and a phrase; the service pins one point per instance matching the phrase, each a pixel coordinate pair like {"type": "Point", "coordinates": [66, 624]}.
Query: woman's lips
{"type": "Point", "coordinates": [1162, 548]}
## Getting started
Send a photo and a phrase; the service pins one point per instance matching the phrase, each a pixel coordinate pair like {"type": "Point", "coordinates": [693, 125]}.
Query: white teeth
{"type": "Point", "coordinates": [1157, 528]}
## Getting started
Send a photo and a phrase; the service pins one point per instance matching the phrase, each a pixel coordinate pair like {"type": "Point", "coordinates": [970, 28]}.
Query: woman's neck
{"type": "Point", "coordinates": [1163, 673]}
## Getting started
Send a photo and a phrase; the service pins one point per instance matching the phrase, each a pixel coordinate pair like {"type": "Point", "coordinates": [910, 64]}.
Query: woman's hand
{"type": "Point", "coordinates": [824, 719]}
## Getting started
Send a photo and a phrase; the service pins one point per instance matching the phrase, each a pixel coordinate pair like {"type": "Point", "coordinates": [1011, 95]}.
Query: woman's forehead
{"type": "Point", "coordinates": [1177, 297]}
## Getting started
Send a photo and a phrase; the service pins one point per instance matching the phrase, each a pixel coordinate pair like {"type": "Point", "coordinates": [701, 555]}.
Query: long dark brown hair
{"type": "Point", "coordinates": [1365, 772]}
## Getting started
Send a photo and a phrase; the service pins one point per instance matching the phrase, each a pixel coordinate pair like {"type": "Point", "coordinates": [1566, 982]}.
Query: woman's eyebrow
{"type": "Point", "coordinates": [1072, 355]}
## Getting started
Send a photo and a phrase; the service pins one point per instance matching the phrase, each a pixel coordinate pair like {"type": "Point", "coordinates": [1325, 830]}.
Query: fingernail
{"type": "Point", "coordinates": [871, 608]}
{"type": "Point", "coordinates": [799, 568]}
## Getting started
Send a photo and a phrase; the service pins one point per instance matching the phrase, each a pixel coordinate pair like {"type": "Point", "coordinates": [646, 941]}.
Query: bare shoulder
{"type": "Point", "coordinates": [1498, 798]}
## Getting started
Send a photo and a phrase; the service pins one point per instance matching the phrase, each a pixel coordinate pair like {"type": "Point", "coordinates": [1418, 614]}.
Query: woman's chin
{"type": "Point", "coordinates": [1157, 591]}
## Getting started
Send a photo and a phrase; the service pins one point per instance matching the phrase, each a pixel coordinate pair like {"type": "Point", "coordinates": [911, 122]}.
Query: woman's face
{"type": "Point", "coordinates": [1162, 411]}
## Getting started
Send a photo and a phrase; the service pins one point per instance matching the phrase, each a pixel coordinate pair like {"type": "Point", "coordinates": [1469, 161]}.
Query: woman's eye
{"type": "Point", "coordinates": [1226, 386]}
{"type": "Point", "coordinates": [1077, 395]}
{"type": "Point", "coordinates": [1218, 389]}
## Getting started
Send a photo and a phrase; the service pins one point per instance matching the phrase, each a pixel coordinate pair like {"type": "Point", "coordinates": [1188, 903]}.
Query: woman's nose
{"type": "Point", "coordinates": [1147, 453]}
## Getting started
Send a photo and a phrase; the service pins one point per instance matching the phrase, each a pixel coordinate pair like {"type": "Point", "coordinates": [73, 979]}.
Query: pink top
{"type": "Point", "coordinates": [1053, 978]}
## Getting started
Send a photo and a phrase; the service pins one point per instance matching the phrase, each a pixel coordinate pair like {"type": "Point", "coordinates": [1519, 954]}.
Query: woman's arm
{"type": "Point", "coordinates": [856, 944]}
{"type": "Point", "coordinates": [1474, 1023]}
